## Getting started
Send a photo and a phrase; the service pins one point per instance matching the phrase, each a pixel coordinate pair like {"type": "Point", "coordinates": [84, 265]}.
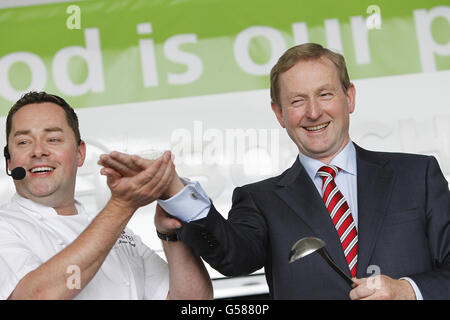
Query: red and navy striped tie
{"type": "Point", "coordinates": [341, 215]}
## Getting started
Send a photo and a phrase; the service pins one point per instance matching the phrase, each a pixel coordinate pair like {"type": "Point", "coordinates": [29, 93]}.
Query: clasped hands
{"type": "Point", "coordinates": [135, 182]}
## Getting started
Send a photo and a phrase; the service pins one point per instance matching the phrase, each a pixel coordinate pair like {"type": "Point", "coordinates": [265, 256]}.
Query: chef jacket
{"type": "Point", "coordinates": [31, 234]}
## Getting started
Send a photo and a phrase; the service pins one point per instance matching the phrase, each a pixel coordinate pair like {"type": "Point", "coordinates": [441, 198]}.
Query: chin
{"type": "Point", "coordinates": [319, 150]}
{"type": "Point", "coordinates": [41, 192]}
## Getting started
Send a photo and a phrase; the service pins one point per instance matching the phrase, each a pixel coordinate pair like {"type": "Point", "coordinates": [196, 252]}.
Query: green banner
{"type": "Point", "coordinates": [106, 52]}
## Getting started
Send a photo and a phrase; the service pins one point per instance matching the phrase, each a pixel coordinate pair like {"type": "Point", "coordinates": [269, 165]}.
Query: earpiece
{"type": "Point", "coordinates": [6, 153]}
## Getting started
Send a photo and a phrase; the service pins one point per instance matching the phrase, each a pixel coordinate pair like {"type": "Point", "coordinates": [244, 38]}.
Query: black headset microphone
{"type": "Point", "coordinates": [18, 173]}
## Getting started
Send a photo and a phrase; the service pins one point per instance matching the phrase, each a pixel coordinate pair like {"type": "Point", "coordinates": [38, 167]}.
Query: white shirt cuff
{"type": "Point", "coordinates": [415, 287]}
{"type": "Point", "coordinates": [191, 203]}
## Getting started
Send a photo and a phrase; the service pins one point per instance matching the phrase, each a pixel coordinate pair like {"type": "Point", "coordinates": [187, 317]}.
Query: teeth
{"type": "Point", "coordinates": [317, 127]}
{"type": "Point", "coordinates": [41, 169]}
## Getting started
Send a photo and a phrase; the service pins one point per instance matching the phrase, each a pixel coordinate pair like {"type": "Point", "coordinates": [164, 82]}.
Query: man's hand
{"type": "Point", "coordinates": [165, 223]}
{"type": "Point", "coordinates": [381, 287]}
{"type": "Point", "coordinates": [136, 182]}
{"type": "Point", "coordinates": [131, 165]}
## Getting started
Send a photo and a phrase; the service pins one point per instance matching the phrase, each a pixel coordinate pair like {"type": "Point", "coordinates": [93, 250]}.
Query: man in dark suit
{"type": "Point", "coordinates": [387, 212]}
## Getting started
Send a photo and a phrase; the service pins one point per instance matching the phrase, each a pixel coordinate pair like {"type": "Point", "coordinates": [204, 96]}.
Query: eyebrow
{"type": "Point", "coordinates": [21, 132]}
{"type": "Point", "coordinates": [53, 129]}
{"type": "Point", "coordinates": [327, 86]}
{"type": "Point", "coordinates": [26, 132]}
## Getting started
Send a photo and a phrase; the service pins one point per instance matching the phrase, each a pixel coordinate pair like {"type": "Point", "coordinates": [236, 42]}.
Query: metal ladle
{"type": "Point", "coordinates": [306, 246]}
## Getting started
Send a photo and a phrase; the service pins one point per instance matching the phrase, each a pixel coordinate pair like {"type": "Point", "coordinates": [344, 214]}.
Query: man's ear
{"type": "Point", "coordinates": [279, 113]}
{"type": "Point", "coordinates": [351, 94]}
{"type": "Point", "coordinates": [81, 153]}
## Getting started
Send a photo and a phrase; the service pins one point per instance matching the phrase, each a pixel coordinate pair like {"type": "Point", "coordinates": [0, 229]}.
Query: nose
{"type": "Point", "coordinates": [39, 150]}
{"type": "Point", "coordinates": [313, 109]}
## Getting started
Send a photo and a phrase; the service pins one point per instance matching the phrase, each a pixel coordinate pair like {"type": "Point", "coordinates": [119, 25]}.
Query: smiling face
{"type": "Point", "coordinates": [315, 108]}
{"type": "Point", "coordinates": [42, 142]}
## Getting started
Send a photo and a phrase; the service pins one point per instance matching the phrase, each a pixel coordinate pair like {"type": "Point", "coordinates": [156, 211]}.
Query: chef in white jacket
{"type": "Point", "coordinates": [52, 248]}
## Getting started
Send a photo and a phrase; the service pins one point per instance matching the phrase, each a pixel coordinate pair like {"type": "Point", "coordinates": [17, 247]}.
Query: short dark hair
{"type": "Point", "coordinates": [306, 51]}
{"type": "Point", "coordinates": [41, 97]}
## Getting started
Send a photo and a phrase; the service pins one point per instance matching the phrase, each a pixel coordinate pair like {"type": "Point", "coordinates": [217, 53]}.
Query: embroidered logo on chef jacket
{"type": "Point", "coordinates": [126, 239]}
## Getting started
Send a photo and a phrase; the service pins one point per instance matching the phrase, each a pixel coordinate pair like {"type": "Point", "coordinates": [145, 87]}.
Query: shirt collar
{"type": "Point", "coordinates": [41, 210]}
{"type": "Point", "coordinates": [346, 160]}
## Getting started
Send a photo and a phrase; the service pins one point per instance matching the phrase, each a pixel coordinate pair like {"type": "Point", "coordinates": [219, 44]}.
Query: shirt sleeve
{"type": "Point", "coordinates": [415, 287]}
{"type": "Point", "coordinates": [191, 203]}
{"type": "Point", "coordinates": [16, 260]}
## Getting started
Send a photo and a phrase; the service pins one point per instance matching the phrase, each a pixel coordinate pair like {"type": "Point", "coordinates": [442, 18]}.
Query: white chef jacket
{"type": "Point", "coordinates": [31, 233]}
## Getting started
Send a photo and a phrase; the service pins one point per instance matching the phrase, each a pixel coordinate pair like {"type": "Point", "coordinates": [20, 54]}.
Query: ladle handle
{"type": "Point", "coordinates": [330, 261]}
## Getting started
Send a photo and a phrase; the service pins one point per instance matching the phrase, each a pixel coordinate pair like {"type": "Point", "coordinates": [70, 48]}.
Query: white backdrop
{"type": "Point", "coordinates": [407, 113]}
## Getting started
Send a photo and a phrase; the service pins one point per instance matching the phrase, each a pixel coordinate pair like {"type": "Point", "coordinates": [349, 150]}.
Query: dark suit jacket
{"type": "Point", "coordinates": [403, 229]}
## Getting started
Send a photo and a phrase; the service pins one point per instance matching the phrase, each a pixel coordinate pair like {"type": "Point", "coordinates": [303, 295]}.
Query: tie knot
{"type": "Point", "coordinates": [327, 171]}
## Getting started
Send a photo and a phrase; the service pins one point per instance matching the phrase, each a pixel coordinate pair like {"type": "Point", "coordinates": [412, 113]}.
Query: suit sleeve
{"type": "Point", "coordinates": [436, 283]}
{"type": "Point", "coordinates": [236, 246]}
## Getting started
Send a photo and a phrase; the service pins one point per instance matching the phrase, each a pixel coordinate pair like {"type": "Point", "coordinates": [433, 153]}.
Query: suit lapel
{"type": "Point", "coordinates": [298, 191]}
{"type": "Point", "coordinates": [374, 183]}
